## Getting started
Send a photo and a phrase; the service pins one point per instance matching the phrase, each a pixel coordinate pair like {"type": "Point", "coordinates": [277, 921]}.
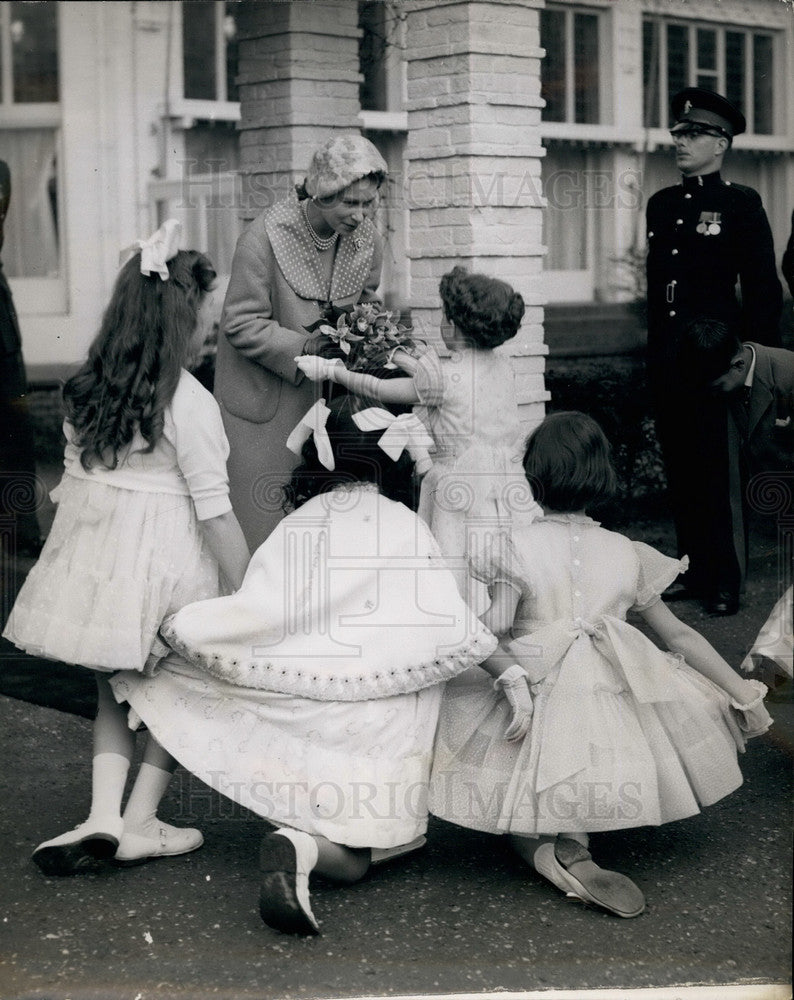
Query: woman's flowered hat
{"type": "Point", "coordinates": [342, 160]}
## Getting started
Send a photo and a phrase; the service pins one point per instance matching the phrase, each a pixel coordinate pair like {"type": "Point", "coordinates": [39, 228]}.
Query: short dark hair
{"type": "Point", "coordinates": [568, 462]}
{"type": "Point", "coordinates": [485, 310]}
{"type": "Point", "coordinates": [708, 346]}
{"type": "Point", "coordinates": [358, 458]}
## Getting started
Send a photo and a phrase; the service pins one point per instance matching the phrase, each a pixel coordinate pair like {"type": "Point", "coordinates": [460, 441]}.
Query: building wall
{"type": "Point", "coordinates": [598, 176]}
{"type": "Point", "coordinates": [121, 167]}
{"type": "Point", "coordinates": [467, 189]}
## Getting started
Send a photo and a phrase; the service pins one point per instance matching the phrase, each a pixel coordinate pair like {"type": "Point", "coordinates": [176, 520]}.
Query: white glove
{"type": "Point", "coordinates": [316, 368]}
{"type": "Point", "coordinates": [515, 685]}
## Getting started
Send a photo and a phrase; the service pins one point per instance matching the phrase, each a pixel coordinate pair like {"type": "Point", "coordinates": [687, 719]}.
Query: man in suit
{"type": "Point", "coordinates": [17, 464]}
{"type": "Point", "coordinates": [787, 263]}
{"type": "Point", "coordinates": [705, 236]}
{"type": "Point", "coordinates": [757, 384]}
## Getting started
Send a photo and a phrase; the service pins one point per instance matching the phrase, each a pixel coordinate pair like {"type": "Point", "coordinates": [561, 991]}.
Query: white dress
{"type": "Point", "coordinates": [476, 490]}
{"type": "Point", "coordinates": [311, 695]}
{"type": "Point", "coordinates": [125, 548]}
{"type": "Point", "coordinates": [775, 639]}
{"type": "Point", "coordinates": [623, 734]}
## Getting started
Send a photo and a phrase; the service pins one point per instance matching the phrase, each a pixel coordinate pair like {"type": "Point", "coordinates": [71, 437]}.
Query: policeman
{"type": "Point", "coordinates": [705, 235]}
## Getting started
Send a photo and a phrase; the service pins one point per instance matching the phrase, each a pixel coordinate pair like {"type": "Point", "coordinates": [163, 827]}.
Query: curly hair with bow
{"type": "Point", "coordinates": [134, 362]}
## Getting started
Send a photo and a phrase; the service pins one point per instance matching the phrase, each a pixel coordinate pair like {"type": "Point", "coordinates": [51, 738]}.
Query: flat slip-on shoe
{"type": "Point", "coordinates": [569, 866]}
{"type": "Point", "coordinates": [284, 888]}
{"type": "Point", "coordinates": [79, 850]}
{"type": "Point", "coordinates": [164, 842]}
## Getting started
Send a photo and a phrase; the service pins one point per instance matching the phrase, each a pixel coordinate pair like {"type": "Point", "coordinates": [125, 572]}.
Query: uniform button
{"type": "Point", "coordinates": [674, 252]}
{"type": "Point", "coordinates": [671, 313]}
{"type": "Point", "coordinates": [649, 235]}
{"type": "Point", "coordinates": [687, 195]}
{"type": "Point", "coordinates": [679, 222]}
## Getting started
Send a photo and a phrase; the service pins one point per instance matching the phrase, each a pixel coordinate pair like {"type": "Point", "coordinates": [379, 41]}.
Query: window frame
{"type": "Point", "coordinates": [603, 116]}
{"type": "Point", "coordinates": [35, 295]}
{"type": "Point", "coordinates": [186, 110]}
{"type": "Point", "coordinates": [693, 71]}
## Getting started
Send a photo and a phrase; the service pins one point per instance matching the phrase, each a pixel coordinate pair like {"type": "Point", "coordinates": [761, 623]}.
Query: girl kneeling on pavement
{"type": "Point", "coordinates": [311, 696]}
{"type": "Point", "coordinates": [593, 727]}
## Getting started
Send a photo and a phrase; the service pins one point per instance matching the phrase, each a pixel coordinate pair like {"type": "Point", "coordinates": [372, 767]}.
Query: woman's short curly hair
{"type": "Point", "coordinates": [568, 462]}
{"type": "Point", "coordinates": [484, 309]}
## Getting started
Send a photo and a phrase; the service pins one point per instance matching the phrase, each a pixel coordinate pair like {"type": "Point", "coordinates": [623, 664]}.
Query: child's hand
{"type": "Point", "coordinates": [751, 715]}
{"type": "Point", "coordinates": [515, 684]}
{"type": "Point", "coordinates": [316, 368]}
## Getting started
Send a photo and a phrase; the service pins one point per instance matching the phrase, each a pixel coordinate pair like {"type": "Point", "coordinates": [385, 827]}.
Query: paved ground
{"type": "Point", "coordinates": [462, 916]}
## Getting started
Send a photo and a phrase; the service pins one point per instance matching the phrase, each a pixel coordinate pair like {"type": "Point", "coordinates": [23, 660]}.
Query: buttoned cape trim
{"type": "Point", "coordinates": [297, 256]}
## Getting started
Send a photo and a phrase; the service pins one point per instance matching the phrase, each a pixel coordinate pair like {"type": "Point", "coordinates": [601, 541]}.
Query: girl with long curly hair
{"type": "Point", "coordinates": [143, 526]}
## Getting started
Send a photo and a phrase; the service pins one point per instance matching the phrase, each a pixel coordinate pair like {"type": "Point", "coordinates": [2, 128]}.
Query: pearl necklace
{"type": "Point", "coordinates": [320, 242]}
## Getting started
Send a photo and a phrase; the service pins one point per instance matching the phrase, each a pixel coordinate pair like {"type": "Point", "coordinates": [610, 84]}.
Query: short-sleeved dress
{"type": "Point", "coordinates": [311, 695]}
{"type": "Point", "coordinates": [125, 548]}
{"type": "Point", "coordinates": [476, 489]}
{"type": "Point", "coordinates": [623, 734]}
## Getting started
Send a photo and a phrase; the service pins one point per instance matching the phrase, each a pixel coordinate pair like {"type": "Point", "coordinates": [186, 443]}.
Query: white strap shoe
{"type": "Point", "coordinates": [286, 859]}
{"type": "Point", "coordinates": [160, 841]}
{"type": "Point", "coordinates": [80, 849]}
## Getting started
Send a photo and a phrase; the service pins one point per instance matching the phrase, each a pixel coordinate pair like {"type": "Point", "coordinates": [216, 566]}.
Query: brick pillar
{"type": "Point", "coordinates": [299, 80]}
{"type": "Point", "coordinates": [473, 191]}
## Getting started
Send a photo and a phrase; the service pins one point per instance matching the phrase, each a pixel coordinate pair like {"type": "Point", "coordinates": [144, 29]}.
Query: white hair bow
{"type": "Point", "coordinates": [162, 246]}
{"type": "Point", "coordinates": [403, 432]}
{"type": "Point", "coordinates": [313, 422]}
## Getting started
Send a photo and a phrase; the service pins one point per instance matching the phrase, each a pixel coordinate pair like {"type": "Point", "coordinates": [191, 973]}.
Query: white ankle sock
{"type": "Point", "coordinates": [149, 788]}
{"type": "Point", "coordinates": [109, 776]}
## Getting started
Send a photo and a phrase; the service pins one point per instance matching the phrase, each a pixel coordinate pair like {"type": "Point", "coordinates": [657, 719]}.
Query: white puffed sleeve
{"type": "Point", "coordinates": [201, 447]}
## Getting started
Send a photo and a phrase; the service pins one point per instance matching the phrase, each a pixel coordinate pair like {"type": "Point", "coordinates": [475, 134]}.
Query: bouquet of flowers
{"type": "Point", "coordinates": [366, 336]}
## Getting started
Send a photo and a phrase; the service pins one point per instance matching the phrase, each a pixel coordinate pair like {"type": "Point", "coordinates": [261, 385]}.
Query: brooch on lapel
{"type": "Point", "coordinates": [710, 224]}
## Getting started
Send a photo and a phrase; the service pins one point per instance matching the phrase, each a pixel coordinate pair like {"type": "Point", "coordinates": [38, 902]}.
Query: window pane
{"type": "Point", "coordinates": [734, 67]}
{"type": "Point", "coordinates": [230, 32]}
{"type": "Point", "coordinates": [564, 177]}
{"type": "Point", "coordinates": [372, 55]}
{"type": "Point", "coordinates": [707, 49]}
{"type": "Point", "coordinates": [585, 55]}
{"type": "Point", "coordinates": [762, 85]}
{"type": "Point", "coordinates": [198, 49]}
{"type": "Point", "coordinates": [34, 46]}
{"type": "Point", "coordinates": [31, 248]}
{"type": "Point", "coordinates": [552, 68]}
{"type": "Point", "coordinates": [650, 73]}
{"type": "Point", "coordinates": [677, 59]}
{"type": "Point", "coordinates": [708, 81]}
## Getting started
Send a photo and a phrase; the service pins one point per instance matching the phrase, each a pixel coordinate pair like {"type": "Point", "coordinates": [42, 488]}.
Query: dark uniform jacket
{"type": "Point", "coordinates": [704, 235]}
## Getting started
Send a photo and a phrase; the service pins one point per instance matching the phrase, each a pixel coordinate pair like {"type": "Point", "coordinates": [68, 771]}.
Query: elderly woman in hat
{"type": "Point", "coordinates": [296, 257]}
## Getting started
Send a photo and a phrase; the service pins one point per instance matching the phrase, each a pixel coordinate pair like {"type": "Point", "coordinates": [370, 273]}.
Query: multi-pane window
{"type": "Point", "coordinates": [209, 50]}
{"type": "Point", "coordinates": [569, 77]}
{"type": "Point", "coordinates": [736, 62]}
{"type": "Point", "coordinates": [29, 137]}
